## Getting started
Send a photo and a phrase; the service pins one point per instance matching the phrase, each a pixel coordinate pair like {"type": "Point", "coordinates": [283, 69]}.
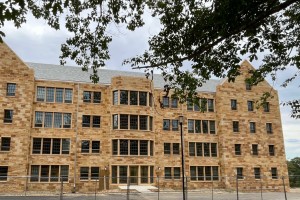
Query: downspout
{"type": "Point", "coordinates": [76, 140]}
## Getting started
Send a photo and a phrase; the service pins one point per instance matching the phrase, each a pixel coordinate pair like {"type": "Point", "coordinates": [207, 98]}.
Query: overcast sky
{"type": "Point", "coordinates": [36, 42]}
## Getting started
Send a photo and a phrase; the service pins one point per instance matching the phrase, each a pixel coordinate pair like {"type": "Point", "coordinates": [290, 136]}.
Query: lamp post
{"type": "Point", "coordinates": [182, 156]}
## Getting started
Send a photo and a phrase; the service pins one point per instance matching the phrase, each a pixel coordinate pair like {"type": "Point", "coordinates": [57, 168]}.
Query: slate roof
{"type": "Point", "coordinates": [75, 74]}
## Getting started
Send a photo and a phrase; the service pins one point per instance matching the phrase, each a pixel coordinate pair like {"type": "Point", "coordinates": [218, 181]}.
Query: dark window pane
{"type": "Point", "coordinates": [8, 116]}
{"type": "Point", "coordinates": [144, 147]}
{"type": "Point", "coordinates": [269, 127]}
{"type": "Point", "coordinates": [199, 149]}
{"type": "Point", "coordinates": [248, 86]}
{"type": "Point", "coordinates": [254, 149]}
{"type": "Point", "coordinates": [239, 172]}
{"type": "Point", "coordinates": [167, 148]}
{"type": "Point", "coordinates": [134, 147]}
{"type": "Point", "coordinates": [97, 97]}
{"type": "Point", "coordinates": [143, 122]}
{"type": "Point", "coordinates": [123, 174]}
{"type": "Point", "coordinates": [193, 173]}
{"type": "Point", "coordinates": [124, 97]}
{"type": "Point", "coordinates": [143, 98]}
{"type": "Point", "coordinates": [86, 120]}
{"type": "Point", "coordinates": [235, 126]}
{"type": "Point", "coordinates": [133, 98]}
{"type": "Point", "coordinates": [200, 171]}
{"type": "Point", "coordinates": [192, 148]}
{"type": "Point", "coordinates": [46, 145]}
{"type": "Point", "coordinates": [271, 150]}
{"type": "Point", "coordinates": [189, 104]}
{"type": "Point", "coordinates": [54, 174]}
{"type": "Point", "coordinates": [168, 174]}
{"type": "Point", "coordinates": [233, 104]}
{"type": "Point", "coordinates": [274, 173]}
{"type": "Point", "coordinates": [44, 173]}
{"type": "Point", "coordinates": [115, 147]}
{"type": "Point", "coordinates": [65, 146]}
{"type": "Point", "coordinates": [56, 146]}
{"type": "Point", "coordinates": [144, 174]}
{"type": "Point", "coordinates": [95, 173]}
{"type": "Point", "coordinates": [191, 126]}
{"type": "Point", "coordinates": [5, 143]}
{"type": "Point", "coordinates": [64, 172]}
{"type": "Point", "coordinates": [176, 148]}
{"type": "Point", "coordinates": [96, 121]}
{"type": "Point", "coordinates": [214, 150]}
{"type": "Point", "coordinates": [237, 149]}
{"type": "Point", "coordinates": [203, 104]}
{"type": "Point", "coordinates": [11, 89]}
{"type": "Point", "coordinates": [123, 121]}
{"type": "Point", "coordinates": [250, 105]}
{"type": "Point", "coordinates": [266, 107]}
{"type": "Point", "coordinates": [252, 127]}
{"type": "Point", "coordinates": [215, 171]}
{"type": "Point", "coordinates": [123, 147]}
{"type": "Point", "coordinates": [95, 146]}
{"type": "Point", "coordinates": [208, 173]}
{"type": "Point", "coordinates": [85, 146]}
{"type": "Point", "coordinates": [205, 126]}
{"type": "Point", "coordinates": [114, 174]}
{"type": "Point", "coordinates": [198, 126]}
{"type": "Point", "coordinates": [210, 103]}
{"type": "Point", "coordinates": [176, 172]}
{"type": "Point", "coordinates": [257, 173]}
{"type": "Point", "coordinates": [36, 146]}
{"type": "Point", "coordinates": [35, 173]}
{"type": "Point", "coordinates": [115, 97]}
{"type": "Point", "coordinates": [212, 127]}
{"type": "Point", "coordinates": [84, 173]}
{"type": "Point", "coordinates": [134, 122]}
{"type": "Point", "coordinates": [206, 149]}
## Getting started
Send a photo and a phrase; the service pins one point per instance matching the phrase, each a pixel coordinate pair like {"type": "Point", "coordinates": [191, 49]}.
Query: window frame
{"type": "Point", "coordinates": [5, 146]}
{"type": "Point", "coordinates": [3, 173]}
{"type": "Point", "coordinates": [254, 149]}
{"type": "Point", "coordinates": [237, 149]}
{"type": "Point", "coordinates": [250, 106]}
{"type": "Point", "coordinates": [8, 116]}
{"type": "Point", "coordinates": [11, 89]}
{"type": "Point", "coordinates": [233, 104]}
{"type": "Point", "coordinates": [252, 127]}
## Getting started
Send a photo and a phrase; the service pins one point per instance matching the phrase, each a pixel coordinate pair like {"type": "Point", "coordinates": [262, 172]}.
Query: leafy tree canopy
{"type": "Point", "coordinates": [212, 35]}
{"type": "Point", "coordinates": [294, 171]}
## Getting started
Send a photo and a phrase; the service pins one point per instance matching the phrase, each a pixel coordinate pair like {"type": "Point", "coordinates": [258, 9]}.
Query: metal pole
{"type": "Point", "coordinates": [61, 188]}
{"type": "Point", "coordinates": [284, 188]}
{"type": "Point", "coordinates": [128, 186]}
{"type": "Point", "coordinates": [96, 189]}
{"type": "Point", "coordinates": [212, 190]}
{"type": "Point", "coordinates": [182, 161]}
{"type": "Point", "coordinates": [237, 187]}
{"type": "Point", "coordinates": [261, 191]}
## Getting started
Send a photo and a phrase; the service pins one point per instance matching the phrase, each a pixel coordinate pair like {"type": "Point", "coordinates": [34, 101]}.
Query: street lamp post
{"type": "Point", "coordinates": [182, 156]}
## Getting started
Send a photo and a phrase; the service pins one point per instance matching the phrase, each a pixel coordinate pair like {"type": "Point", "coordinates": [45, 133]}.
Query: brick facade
{"type": "Point", "coordinates": [144, 130]}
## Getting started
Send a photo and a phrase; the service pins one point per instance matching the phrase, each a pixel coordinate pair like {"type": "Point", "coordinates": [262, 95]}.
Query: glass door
{"type": "Point", "coordinates": [134, 171]}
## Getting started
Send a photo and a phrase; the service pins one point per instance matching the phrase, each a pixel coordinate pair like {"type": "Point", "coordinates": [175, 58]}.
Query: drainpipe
{"type": "Point", "coordinates": [76, 140]}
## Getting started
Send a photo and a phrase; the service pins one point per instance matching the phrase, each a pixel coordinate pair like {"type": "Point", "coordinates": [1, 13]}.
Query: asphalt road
{"type": "Point", "coordinates": [164, 196]}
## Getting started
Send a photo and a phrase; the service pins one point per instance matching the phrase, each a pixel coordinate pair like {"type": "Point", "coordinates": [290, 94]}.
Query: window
{"type": "Point", "coordinates": [269, 127]}
{"type": "Point", "coordinates": [250, 105]}
{"type": "Point", "coordinates": [143, 98]}
{"type": "Point", "coordinates": [11, 89]}
{"type": "Point", "coordinates": [174, 125]}
{"type": "Point", "coordinates": [8, 116]}
{"type": "Point", "coordinates": [191, 128]}
{"type": "Point", "coordinates": [266, 107]}
{"type": "Point", "coordinates": [175, 148]}
{"type": "Point", "coordinates": [132, 147]}
{"type": "Point", "coordinates": [235, 126]}
{"type": "Point", "coordinates": [143, 122]}
{"type": "Point", "coordinates": [90, 146]}
{"type": "Point", "coordinates": [174, 102]}
{"type": "Point", "coordinates": [172, 172]}
{"type": "Point", "coordinates": [137, 122]}
{"type": "Point", "coordinates": [254, 149]}
{"type": "Point", "coordinates": [206, 126]}
{"type": "Point", "coordinates": [233, 104]}
{"type": "Point", "coordinates": [46, 173]}
{"type": "Point", "coordinates": [257, 173]}
{"type": "Point", "coordinates": [89, 173]}
{"type": "Point", "coordinates": [119, 174]}
{"type": "Point", "coordinates": [212, 127]}
{"type": "Point", "coordinates": [248, 86]}
{"type": "Point", "coordinates": [252, 127]}
{"type": "Point", "coordinates": [210, 103]}
{"type": "Point", "coordinates": [52, 120]}
{"type": "Point", "coordinates": [189, 104]}
{"type": "Point", "coordinates": [166, 124]}
{"type": "Point", "coordinates": [133, 98]}
{"type": "Point", "coordinates": [50, 146]}
{"type": "Point", "coordinates": [115, 97]}
{"type": "Point", "coordinates": [91, 97]}
{"type": "Point", "coordinates": [5, 144]}
{"type": "Point", "coordinates": [51, 94]}
{"type": "Point", "coordinates": [239, 173]}
{"type": "Point", "coordinates": [204, 173]}
{"type": "Point", "coordinates": [3, 173]}
{"type": "Point", "coordinates": [271, 150]}
{"type": "Point", "coordinates": [274, 173]}
{"type": "Point", "coordinates": [86, 121]}
{"type": "Point", "coordinates": [203, 149]}
{"type": "Point", "coordinates": [124, 97]}
{"type": "Point", "coordinates": [166, 102]}
{"type": "Point", "coordinates": [237, 149]}
{"type": "Point", "coordinates": [167, 148]}
{"type": "Point", "coordinates": [134, 122]}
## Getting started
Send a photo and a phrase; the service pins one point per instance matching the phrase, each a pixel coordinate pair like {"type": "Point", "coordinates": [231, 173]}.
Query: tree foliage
{"type": "Point", "coordinates": [212, 35]}
{"type": "Point", "coordinates": [294, 172]}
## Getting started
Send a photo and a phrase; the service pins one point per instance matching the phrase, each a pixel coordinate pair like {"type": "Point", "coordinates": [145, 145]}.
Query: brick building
{"type": "Point", "coordinates": [55, 123]}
